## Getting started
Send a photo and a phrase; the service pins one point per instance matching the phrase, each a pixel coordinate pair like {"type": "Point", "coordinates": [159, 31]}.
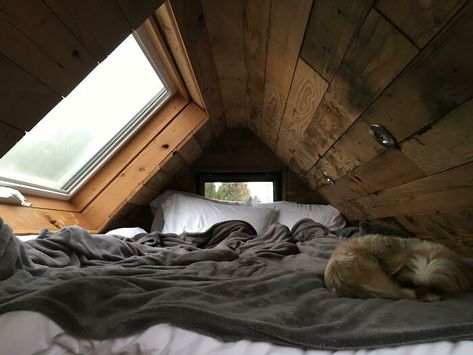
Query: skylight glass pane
{"type": "Point", "coordinates": [69, 136]}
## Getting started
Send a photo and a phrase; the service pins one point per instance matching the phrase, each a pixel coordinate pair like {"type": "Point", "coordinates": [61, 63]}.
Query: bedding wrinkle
{"type": "Point", "coordinates": [226, 282]}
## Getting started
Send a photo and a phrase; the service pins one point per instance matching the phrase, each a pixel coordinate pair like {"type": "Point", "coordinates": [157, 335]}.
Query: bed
{"type": "Point", "coordinates": [219, 286]}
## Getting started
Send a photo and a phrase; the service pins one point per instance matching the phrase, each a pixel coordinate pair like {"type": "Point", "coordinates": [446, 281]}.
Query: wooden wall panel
{"type": "Point", "coordinates": [286, 31]}
{"type": "Point", "coordinates": [330, 29]}
{"type": "Point", "coordinates": [255, 26]}
{"type": "Point", "coordinates": [137, 11]}
{"type": "Point", "coordinates": [420, 20]}
{"type": "Point", "coordinates": [306, 92]}
{"type": "Point", "coordinates": [376, 56]}
{"type": "Point", "coordinates": [224, 21]}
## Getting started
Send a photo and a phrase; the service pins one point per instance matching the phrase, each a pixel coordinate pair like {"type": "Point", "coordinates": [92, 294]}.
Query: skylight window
{"type": "Point", "coordinates": [75, 138]}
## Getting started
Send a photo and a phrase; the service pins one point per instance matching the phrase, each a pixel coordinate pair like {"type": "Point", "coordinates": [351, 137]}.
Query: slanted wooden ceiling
{"type": "Point", "coordinates": [48, 46]}
{"type": "Point", "coordinates": [309, 77]}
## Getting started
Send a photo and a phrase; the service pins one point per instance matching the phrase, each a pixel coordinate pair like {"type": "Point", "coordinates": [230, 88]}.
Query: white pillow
{"type": "Point", "coordinates": [178, 212]}
{"type": "Point", "coordinates": [288, 213]}
{"type": "Point", "coordinates": [127, 232]}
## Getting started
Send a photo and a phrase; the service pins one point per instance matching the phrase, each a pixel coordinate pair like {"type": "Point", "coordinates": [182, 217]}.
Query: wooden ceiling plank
{"type": "Point", "coordinates": [437, 81]}
{"type": "Point", "coordinates": [224, 21]}
{"type": "Point", "coordinates": [37, 22]}
{"type": "Point", "coordinates": [448, 142]}
{"type": "Point", "coordinates": [99, 25]}
{"type": "Point", "coordinates": [330, 29]}
{"type": "Point", "coordinates": [286, 32]}
{"type": "Point", "coordinates": [189, 17]}
{"type": "Point", "coordinates": [376, 56]}
{"type": "Point", "coordinates": [419, 20]}
{"type": "Point", "coordinates": [307, 90]}
{"type": "Point", "coordinates": [255, 27]}
{"type": "Point", "coordinates": [9, 136]}
{"type": "Point", "coordinates": [137, 12]}
{"type": "Point", "coordinates": [25, 100]}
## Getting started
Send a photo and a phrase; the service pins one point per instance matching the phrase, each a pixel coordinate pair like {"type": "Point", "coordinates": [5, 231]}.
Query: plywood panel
{"type": "Point", "coordinates": [37, 22]}
{"type": "Point", "coordinates": [24, 99]}
{"type": "Point", "coordinates": [286, 31]}
{"type": "Point", "coordinates": [448, 142]}
{"type": "Point", "coordinates": [255, 27]}
{"type": "Point", "coordinates": [225, 28]}
{"type": "Point", "coordinates": [450, 190]}
{"type": "Point", "coordinates": [306, 92]}
{"type": "Point", "coordinates": [190, 150]}
{"type": "Point", "coordinates": [330, 29]}
{"type": "Point", "coordinates": [420, 20]}
{"type": "Point", "coordinates": [376, 56]}
{"type": "Point", "coordinates": [99, 25]}
{"type": "Point", "coordinates": [437, 81]}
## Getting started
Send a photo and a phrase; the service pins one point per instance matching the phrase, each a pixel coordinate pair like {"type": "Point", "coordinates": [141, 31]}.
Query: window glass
{"type": "Point", "coordinates": [89, 124]}
{"type": "Point", "coordinates": [255, 192]}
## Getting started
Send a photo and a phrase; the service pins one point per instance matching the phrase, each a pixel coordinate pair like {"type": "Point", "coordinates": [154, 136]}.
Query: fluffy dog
{"type": "Point", "coordinates": [397, 268]}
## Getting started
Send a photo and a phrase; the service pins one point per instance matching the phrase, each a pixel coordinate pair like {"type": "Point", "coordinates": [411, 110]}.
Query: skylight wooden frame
{"type": "Point", "coordinates": [120, 178]}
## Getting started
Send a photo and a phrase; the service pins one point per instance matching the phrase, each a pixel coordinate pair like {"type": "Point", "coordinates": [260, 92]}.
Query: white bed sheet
{"type": "Point", "coordinates": [25, 332]}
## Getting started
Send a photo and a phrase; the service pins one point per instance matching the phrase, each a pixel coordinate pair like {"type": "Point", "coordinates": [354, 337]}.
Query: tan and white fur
{"type": "Point", "coordinates": [397, 268]}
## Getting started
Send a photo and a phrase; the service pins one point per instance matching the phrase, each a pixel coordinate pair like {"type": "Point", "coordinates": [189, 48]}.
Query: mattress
{"type": "Point", "coordinates": [25, 332]}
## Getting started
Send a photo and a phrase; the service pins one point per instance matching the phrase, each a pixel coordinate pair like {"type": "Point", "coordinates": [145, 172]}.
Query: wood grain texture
{"type": "Point", "coordinates": [330, 29]}
{"type": "Point", "coordinates": [9, 136]}
{"type": "Point", "coordinates": [141, 169]}
{"type": "Point", "coordinates": [286, 31]}
{"type": "Point", "coordinates": [37, 22]}
{"type": "Point", "coordinates": [255, 26]}
{"type": "Point", "coordinates": [420, 20]}
{"type": "Point", "coordinates": [20, 49]}
{"type": "Point", "coordinates": [437, 81]}
{"type": "Point", "coordinates": [306, 92]}
{"type": "Point", "coordinates": [449, 190]}
{"type": "Point", "coordinates": [190, 150]}
{"type": "Point", "coordinates": [137, 12]}
{"type": "Point", "coordinates": [25, 100]}
{"type": "Point", "coordinates": [224, 21]}
{"type": "Point", "coordinates": [99, 25]}
{"type": "Point", "coordinates": [189, 17]}
{"type": "Point", "coordinates": [376, 56]}
{"type": "Point", "coordinates": [448, 142]}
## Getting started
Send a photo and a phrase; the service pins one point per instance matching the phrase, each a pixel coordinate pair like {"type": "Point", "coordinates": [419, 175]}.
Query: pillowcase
{"type": "Point", "coordinates": [177, 212]}
{"type": "Point", "coordinates": [288, 213]}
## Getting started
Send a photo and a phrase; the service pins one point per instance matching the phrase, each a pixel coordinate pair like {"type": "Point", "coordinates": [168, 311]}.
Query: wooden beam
{"type": "Point", "coordinates": [137, 12]}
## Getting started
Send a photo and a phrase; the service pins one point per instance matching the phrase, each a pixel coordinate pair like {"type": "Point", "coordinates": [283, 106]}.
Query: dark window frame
{"type": "Point", "coordinates": [274, 177]}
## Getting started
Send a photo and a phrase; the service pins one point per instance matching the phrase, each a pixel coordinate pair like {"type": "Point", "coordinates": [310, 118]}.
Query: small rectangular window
{"type": "Point", "coordinates": [78, 135]}
{"type": "Point", "coordinates": [241, 187]}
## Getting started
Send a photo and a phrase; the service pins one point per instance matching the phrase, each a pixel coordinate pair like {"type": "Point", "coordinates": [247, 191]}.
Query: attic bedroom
{"type": "Point", "coordinates": [239, 176]}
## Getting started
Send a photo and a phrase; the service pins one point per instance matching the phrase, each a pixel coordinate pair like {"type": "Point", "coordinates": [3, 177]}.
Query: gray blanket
{"type": "Point", "coordinates": [226, 282]}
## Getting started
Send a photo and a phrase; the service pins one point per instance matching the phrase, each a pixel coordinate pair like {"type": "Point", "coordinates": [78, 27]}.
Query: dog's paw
{"type": "Point", "coordinates": [427, 296]}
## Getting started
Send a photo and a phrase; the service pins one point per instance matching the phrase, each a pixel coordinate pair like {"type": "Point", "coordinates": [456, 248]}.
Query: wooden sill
{"type": "Point", "coordinates": [117, 182]}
